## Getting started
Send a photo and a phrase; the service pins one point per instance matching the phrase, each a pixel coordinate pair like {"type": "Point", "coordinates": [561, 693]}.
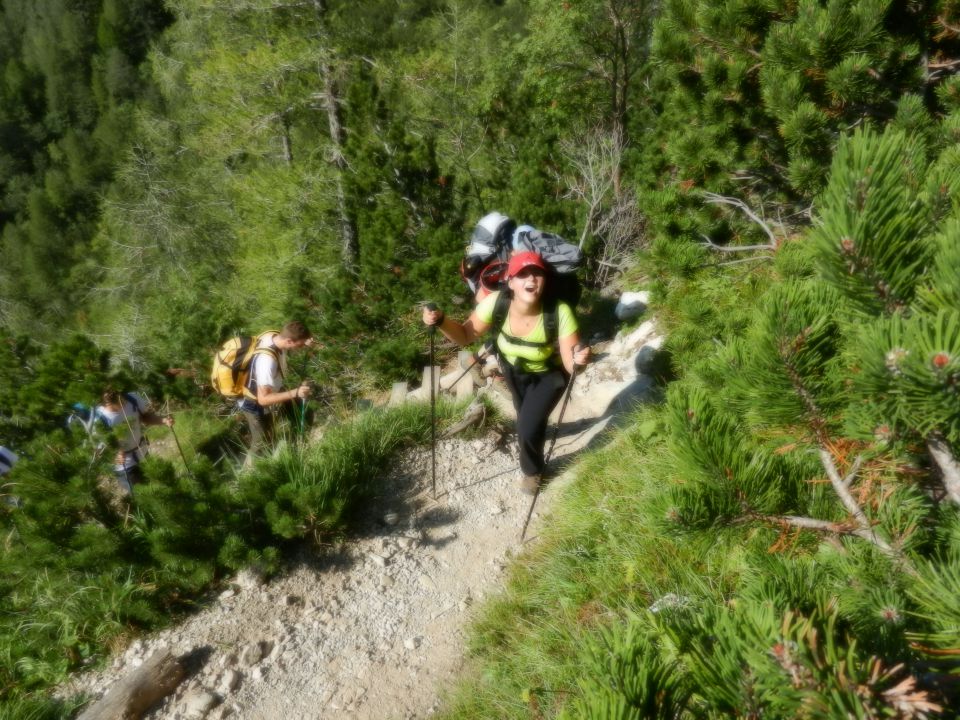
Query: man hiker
{"type": "Point", "coordinates": [128, 413]}
{"type": "Point", "coordinates": [265, 383]}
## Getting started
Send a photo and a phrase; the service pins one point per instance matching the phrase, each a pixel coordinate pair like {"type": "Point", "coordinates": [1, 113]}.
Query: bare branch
{"type": "Point", "coordinates": [736, 248]}
{"type": "Point", "coordinates": [851, 476]}
{"type": "Point", "coordinates": [842, 487]}
{"type": "Point", "coordinates": [715, 199]}
{"type": "Point", "coordinates": [806, 523]}
{"type": "Point", "coordinates": [943, 456]}
{"type": "Point", "coordinates": [612, 214]}
{"type": "Point", "coordinates": [742, 260]}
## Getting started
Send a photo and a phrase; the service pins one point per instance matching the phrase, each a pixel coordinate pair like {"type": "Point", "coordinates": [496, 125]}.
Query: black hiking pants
{"type": "Point", "coordinates": [535, 395]}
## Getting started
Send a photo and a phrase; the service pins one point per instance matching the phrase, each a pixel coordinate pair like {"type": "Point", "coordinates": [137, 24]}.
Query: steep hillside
{"type": "Point", "coordinates": [375, 627]}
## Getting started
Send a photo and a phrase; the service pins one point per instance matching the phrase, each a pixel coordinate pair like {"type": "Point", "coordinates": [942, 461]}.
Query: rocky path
{"type": "Point", "coordinates": [374, 628]}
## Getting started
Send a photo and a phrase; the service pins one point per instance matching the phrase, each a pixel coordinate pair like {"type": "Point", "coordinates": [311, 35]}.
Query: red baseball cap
{"type": "Point", "coordinates": [524, 260]}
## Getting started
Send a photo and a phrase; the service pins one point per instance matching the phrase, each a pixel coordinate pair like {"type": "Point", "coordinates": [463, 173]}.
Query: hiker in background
{"type": "Point", "coordinates": [264, 390]}
{"type": "Point", "coordinates": [8, 458]}
{"type": "Point", "coordinates": [535, 366]}
{"type": "Point", "coordinates": [128, 413]}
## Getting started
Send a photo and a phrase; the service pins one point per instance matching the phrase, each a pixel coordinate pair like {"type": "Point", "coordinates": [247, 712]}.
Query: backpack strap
{"type": "Point", "coordinates": [500, 310]}
{"type": "Point", "coordinates": [250, 388]}
{"type": "Point", "coordinates": [132, 399]}
{"type": "Point", "coordinates": [550, 323]}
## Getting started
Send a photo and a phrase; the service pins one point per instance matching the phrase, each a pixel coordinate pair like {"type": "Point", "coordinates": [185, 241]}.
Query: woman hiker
{"type": "Point", "coordinates": [128, 413]}
{"type": "Point", "coordinates": [532, 367]}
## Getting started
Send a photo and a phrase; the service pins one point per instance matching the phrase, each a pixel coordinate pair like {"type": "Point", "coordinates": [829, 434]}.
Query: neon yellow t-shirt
{"type": "Point", "coordinates": [538, 358]}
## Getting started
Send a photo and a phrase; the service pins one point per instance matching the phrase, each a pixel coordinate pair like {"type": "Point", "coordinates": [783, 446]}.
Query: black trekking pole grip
{"type": "Point", "coordinates": [432, 329]}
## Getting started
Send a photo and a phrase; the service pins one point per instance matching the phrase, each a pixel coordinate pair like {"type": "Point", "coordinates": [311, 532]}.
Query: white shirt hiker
{"type": "Point", "coordinates": [8, 458]}
{"type": "Point", "coordinates": [264, 368]}
{"type": "Point", "coordinates": [127, 418]}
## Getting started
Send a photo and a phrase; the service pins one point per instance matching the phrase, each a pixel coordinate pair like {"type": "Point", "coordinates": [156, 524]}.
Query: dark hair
{"type": "Point", "coordinates": [110, 396]}
{"type": "Point", "coordinates": [295, 330]}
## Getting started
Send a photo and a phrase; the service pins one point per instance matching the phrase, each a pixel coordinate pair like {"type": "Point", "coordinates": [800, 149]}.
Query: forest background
{"type": "Point", "coordinates": [784, 176]}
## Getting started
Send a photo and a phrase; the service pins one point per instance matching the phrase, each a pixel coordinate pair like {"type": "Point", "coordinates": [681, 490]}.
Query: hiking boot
{"type": "Point", "coordinates": [529, 484]}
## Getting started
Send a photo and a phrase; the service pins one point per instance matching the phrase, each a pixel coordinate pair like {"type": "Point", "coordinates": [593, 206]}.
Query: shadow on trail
{"type": "Point", "coordinates": [618, 414]}
{"type": "Point", "coordinates": [481, 481]}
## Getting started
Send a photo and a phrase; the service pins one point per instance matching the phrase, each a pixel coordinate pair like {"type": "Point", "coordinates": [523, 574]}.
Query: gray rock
{"type": "Point", "coordinates": [255, 652]}
{"type": "Point", "coordinates": [197, 703]}
{"type": "Point", "coordinates": [249, 578]}
{"type": "Point", "coordinates": [631, 305]}
{"type": "Point", "coordinates": [229, 681]}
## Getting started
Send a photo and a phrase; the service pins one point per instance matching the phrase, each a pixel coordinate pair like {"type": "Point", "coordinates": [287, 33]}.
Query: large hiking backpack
{"type": "Point", "coordinates": [563, 259]}
{"type": "Point", "coordinates": [231, 365]}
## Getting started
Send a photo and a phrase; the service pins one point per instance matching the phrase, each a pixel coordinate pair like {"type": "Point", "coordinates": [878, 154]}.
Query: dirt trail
{"type": "Point", "coordinates": [374, 629]}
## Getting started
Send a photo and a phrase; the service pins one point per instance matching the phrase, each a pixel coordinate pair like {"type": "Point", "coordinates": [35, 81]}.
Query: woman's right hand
{"type": "Point", "coordinates": [432, 317]}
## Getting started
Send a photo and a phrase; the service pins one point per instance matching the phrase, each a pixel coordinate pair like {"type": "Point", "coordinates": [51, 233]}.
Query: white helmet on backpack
{"type": "Point", "coordinates": [493, 233]}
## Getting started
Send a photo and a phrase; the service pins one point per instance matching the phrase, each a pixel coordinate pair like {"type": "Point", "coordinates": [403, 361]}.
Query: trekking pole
{"type": "Point", "coordinates": [180, 448]}
{"type": "Point", "coordinates": [477, 357]}
{"type": "Point", "coordinates": [433, 408]}
{"type": "Point", "coordinates": [553, 441]}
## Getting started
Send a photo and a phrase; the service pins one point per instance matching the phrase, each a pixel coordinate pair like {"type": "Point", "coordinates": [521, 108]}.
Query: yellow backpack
{"type": "Point", "coordinates": [231, 365]}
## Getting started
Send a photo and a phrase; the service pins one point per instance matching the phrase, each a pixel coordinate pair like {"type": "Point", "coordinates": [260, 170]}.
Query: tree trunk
{"type": "Point", "coordinates": [132, 696]}
{"type": "Point", "coordinates": [350, 250]}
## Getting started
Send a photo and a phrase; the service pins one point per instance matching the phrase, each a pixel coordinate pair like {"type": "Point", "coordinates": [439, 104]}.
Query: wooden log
{"type": "Point", "coordinates": [473, 415]}
{"type": "Point", "coordinates": [130, 697]}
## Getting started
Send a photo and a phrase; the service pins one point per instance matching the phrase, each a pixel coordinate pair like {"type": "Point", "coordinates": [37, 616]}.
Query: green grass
{"type": "Point", "coordinates": [81, 575]}
{"type": "Point", "coordinates": [599, 559]}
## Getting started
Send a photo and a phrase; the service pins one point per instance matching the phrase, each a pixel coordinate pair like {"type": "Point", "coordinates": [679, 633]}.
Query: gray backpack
{"type": "Point", "coordinates": [563, 256]}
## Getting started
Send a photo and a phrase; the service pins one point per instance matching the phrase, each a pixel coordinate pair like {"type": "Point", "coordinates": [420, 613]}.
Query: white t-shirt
{"type": "Point", "coordinates": [128, 417]}
{"type": "Point", "coordinates": [264, 368]}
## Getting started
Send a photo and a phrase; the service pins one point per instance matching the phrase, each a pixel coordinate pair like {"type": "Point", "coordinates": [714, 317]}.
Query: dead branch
{"type": "Point", "coordinates": [132, 696]}
{"type": "Point", "coordinates": [734, 248]}
{"type": "Point", "coordinates": [474, 415]}
{"type": "Point", "coordinates": [842, 487]}
{"type": "Point", "coordinates": [806, 523]}
{"type": "Point", "coordinates": [947, 463]}
{"type": "Point", "coordinates": [743, 260]}
{"type": "Point", "coordinates": [715, 199]}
